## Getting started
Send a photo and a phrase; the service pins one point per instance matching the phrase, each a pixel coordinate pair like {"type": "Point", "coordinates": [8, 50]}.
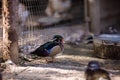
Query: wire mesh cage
{"type": "Point", "coordinates": [41, 13]}
{"type": "Point", "coordinates": [36, 15]}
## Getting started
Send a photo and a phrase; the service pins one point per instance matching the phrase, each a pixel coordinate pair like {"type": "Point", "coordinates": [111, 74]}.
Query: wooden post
{"type": "Point", "coordinates": [10, 35]}
{"type": "Point", "coordinates": [94, 6]}
{"type": "Point", "coordinates": [87, 16]}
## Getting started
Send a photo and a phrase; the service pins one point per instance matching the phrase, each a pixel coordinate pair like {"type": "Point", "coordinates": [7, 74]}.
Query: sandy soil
{"type": "Point", "coordinates": [65, 68]}
{"type": "Point", "coordinates": [68, 66]}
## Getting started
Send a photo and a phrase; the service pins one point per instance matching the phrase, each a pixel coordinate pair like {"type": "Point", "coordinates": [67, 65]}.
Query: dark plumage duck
{"type": "Point", "coordinates": [94, 72]}
{"type": "Point", "coordinates": [51, 48]}
{"type": "Point", "coordinates": [89, 38]}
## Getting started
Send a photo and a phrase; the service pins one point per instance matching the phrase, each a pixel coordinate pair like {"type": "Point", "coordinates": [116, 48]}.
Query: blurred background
{"type": "Point", "coordinates": [75, 20]}
{"type": "Point", "coordinates": [78, 21]}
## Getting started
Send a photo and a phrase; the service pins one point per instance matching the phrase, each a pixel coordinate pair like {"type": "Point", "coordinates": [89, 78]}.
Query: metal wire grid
{"type": "Point", "coordinates": [32, 10]}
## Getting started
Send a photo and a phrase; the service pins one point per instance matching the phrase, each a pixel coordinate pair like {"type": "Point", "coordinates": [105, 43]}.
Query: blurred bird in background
{"type": "Point", "coordinates": [23, 14]}
{"type": "Point", "coordinates": [94, 72]}
{"type": "Point", "coordinates": [58, 8]}
{"type": "Point", "coordinates": [111, 29]}
{"type": "Point", "coordinates": [89, 39]}
{"type": "Point", "coordinates": [50, 48]}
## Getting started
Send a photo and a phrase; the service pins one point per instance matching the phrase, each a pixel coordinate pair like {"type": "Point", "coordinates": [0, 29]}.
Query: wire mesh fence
{"type": "Point", "coordinates": [36, 15]}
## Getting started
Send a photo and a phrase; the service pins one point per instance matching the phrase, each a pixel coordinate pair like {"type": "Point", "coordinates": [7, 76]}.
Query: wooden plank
{"type": "Point", "coordinates": [87, 16]}
{"type": "Point", "coordinates": [94, 6]}
{"type": "Point", "coordinates": [10, 36]}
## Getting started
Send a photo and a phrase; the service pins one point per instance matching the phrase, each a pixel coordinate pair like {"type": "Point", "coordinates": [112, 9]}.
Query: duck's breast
{"type": "Point", "coordinates": [55, 50]}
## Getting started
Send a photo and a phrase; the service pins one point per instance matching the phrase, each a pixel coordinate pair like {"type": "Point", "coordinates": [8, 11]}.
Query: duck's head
{"type": "Point", "coordinates": [58, 38]}
{"type": "Point", "coordinates": [93, 65]}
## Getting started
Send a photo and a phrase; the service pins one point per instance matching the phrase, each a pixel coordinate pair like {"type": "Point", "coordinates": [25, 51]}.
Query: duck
{"type": "Point", "coordinates": [23, 14]}
{"type": "Point", "coordinates": [95, 72]}
{"type": "Point", "coordinates": [58, 8]}
{"type": "Point", "coordinates": [89, 39]}
{"type": "Point", "coordinates": [51, 48]}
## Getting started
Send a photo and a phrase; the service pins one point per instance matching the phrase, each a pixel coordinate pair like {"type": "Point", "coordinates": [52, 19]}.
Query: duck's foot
{"type": "Point", "coordinates": [48, 60]}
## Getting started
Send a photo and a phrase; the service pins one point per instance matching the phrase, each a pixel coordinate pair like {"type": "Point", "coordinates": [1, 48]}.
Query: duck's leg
{"type": "Point", "coordinates": [46, 59]}
{"type": "Point", "coordinates": [53, 59]}
{"type": "Point", "coordinates": [50, 59]}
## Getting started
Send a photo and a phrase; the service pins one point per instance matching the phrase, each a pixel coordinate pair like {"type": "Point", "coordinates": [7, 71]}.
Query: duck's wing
{"type": "Point", "coordinates": [40, 50]}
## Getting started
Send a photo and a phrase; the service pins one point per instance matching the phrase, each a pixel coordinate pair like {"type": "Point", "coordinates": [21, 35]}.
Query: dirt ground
{"type": "Point", "coordinates": [68, 66]}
